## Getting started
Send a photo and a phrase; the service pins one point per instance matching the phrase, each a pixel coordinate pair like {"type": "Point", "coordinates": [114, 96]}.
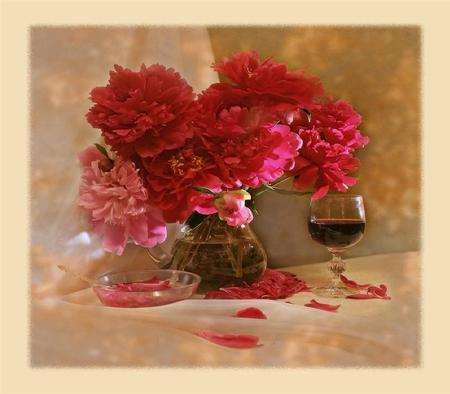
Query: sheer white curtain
{"type": "Point", "coordinates": [66, 63]}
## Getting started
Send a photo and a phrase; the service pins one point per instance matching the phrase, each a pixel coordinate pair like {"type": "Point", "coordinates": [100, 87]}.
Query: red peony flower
{"type": "Point", "coordinates": [338, 123]}
{"type": "Point", "coordinates": [146, 112]}
{"type": "Point", "coordinates": [330, 138]}
{"type": "Point", "coordinates": [249, 149]}
{"type": "Point", "coordinates": [323, 164]}
{"type": "Point", "coordinates": [269, 79]}
{"type": "Point", "coordinates": [172, 174]}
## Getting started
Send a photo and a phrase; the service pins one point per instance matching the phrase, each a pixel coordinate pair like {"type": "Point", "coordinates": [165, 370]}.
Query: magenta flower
{"type": "Point", "coordinates": [323, 165]}
{"type": "Point", "coordinates": [330, 139]}
{"type": "Point", "coordinates": [251, 150]}
{"type": "Point", "coordinates": [116, 203]}
{"type": "Point", "coordinates": [231, 207]}
{"type": "Point", "coordinates": [338, 123]}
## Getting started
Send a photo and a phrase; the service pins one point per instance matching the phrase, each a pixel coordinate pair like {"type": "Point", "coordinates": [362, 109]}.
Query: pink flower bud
{"type": "Point", "coordinates": [231, 207]}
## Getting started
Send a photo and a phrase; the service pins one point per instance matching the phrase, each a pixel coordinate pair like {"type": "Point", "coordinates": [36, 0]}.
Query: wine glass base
{"type": "Point", "coordinates": [334, 291]}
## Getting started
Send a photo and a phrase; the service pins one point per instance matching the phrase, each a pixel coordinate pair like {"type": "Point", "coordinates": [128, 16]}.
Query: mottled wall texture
{"type": "Point", "coordinates": [378, 70]}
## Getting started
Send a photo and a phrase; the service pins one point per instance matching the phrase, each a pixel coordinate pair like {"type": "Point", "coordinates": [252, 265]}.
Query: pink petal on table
{"type": "Point", "coordinates": [241, 341]}
{"type": "Point", "coordinates": [324, 307]}
{"type": "Point", "coordinates": [362, 296]}
{"type": "Point", "coordinates": [251, 313]}
{"type": "Point", "coordinates": [352, 284]}
{"type": "Point", "coordinates": [379, 292]}
{"type": "Point", "coordinates": [272, 285]}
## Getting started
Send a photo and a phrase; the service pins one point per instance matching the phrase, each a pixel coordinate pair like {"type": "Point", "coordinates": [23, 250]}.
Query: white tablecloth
{"type": "Point", "coordinates": [76, 330]}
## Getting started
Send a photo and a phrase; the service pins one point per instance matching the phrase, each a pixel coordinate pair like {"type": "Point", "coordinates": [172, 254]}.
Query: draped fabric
{"type": "Point", "coordinates": [75, 330]}
{"type": "Point", "coordinates": [66, 63]}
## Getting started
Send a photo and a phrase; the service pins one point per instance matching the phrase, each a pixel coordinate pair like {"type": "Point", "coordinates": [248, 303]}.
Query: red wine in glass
{"type": "Point", "coordinates": [337, 233]}
{"type": "Point", "coordinates": [336, 221]}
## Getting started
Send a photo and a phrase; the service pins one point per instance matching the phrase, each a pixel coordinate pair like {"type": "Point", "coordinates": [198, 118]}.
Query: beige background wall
{"type": "Point", "coordinates": [377, 69]}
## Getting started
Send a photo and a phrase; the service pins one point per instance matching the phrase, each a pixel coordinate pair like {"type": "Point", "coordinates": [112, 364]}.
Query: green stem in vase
{"type": "Point", "coordinates": [273, 187]}
{"type": "Point", "coordinates": [235, 263]}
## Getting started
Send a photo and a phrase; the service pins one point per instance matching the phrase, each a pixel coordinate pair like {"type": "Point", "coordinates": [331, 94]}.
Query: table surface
{"type": "Point", "coordinates": [76, 330]}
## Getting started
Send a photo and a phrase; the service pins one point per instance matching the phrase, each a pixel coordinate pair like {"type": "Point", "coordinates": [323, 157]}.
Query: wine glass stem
{"type": "Point", "coordinates": [337, 267]}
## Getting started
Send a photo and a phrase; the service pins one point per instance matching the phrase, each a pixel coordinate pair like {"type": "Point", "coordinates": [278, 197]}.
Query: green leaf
{"type": "Point", "coordinates": [102, 150]}
{"type": "Point", "coordinates": [203, 190]}
{"type": "Point", "coordinates": [251, 205]}
{"type": "Point", "coordinates": [308, 114]}
{"type": "Point", "coordinates": [195, 219]}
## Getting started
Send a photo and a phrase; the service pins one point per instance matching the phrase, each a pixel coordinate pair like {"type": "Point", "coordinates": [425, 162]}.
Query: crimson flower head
{"type": "Point", "coordinates": [338, 123]}
{"type": "Point", "coordinates": [323, 165]}
{"type": "Point", "coordinates": [250, 150]}
{"type": "Point", "coordinates": [270, 79]}
{"type": "Point", "coordinates": [172, 175]}
{"type": "Point", "coordinates": [144, 112]}
{"type": "Point", "coordinates": [330, 139]}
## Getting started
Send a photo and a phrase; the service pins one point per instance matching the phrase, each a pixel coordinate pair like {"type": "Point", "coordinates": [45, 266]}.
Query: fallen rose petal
{"type": "Point", "coordinates": [378, 291]}
{"type": "Point", "coordinates": [272, 285]}
{"type": "Point", "coordinates": [218, 294]}
{"type": "Point", "coordinates": [324, 307]}
{"type": "Point", "coordinates": [241, 341]}
{"type": "Point", "coordinates": [251, 313]}
{"type": "Point", "coordinates": [352, 284]}
{"type": "Point", "coordinates": [362, 296]}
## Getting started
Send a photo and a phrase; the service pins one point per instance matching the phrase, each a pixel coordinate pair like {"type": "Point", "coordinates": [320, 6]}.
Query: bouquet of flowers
{"type": "Point", "coordinates": [172, 155]}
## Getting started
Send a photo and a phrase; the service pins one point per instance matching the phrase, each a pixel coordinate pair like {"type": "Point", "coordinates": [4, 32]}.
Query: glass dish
{"type": "Point", "coordinates": [137, 289]}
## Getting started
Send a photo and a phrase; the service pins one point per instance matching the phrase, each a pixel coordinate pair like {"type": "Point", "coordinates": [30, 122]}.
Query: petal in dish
{"type": "Point", "coordinates": [148, 285]}
{"type": "Point", "coordinates": [135, 289]}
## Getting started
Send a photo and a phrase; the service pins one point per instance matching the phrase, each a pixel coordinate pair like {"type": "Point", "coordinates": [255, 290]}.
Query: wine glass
{"type": "Point", "coordinates": [336, 221]}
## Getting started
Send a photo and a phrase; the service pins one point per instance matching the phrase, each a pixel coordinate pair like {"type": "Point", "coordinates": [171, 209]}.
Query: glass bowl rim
{"type": "Point", "coordinates": [337, 196]}
{"type": "Point", "coordinates": [340, 195]}
{"type": "Point", "coordinates": [197, 280]}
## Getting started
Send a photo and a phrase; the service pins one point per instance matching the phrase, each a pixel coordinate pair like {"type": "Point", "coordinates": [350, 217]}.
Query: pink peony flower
{"type": "Point", "coordinates": [146, 112]}
{"type": "Point", "coordinates": [231, 207]}
{"type": "Point", "coordinates": [116, 203]}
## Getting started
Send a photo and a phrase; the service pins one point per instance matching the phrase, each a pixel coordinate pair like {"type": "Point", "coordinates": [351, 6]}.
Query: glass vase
{"type": "Point", "coordinates": [222, 255]}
